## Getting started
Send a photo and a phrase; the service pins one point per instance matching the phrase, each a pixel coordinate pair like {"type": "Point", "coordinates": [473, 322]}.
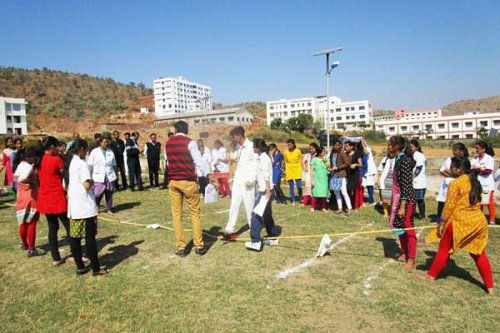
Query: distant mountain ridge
{"type": "Point", "coordinates": [70, 95]}
{"type": "Point", "coordinates": [483, 105]}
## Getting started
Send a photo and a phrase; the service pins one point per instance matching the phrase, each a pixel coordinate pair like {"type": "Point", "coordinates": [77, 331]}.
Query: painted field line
{"type": "Point", "coordinates": [368, 282]}
{"type": "Point", "coordinates": [311, 261]}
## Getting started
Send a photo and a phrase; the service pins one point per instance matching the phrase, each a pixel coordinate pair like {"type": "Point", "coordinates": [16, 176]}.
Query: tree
{"type": "Point", "coordinates": [277, 124]}
{"type": "Point", "coordinates": [301, 123]}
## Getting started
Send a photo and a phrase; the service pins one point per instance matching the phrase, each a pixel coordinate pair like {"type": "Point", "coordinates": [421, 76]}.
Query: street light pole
{"type": "Point", "coordinates": [329, 69]}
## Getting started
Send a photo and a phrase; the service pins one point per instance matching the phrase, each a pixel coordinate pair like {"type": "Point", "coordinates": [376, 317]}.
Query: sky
{"type": "Point", "coordinates": [410, 54]}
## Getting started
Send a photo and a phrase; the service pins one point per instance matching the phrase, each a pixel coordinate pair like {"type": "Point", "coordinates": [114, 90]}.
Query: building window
{"type": "Point", "coordinates": [338, 109]}
{"type": "Point", "coordinates": [454, 125]}
{"type": "Point", "coordinates": [404, 128]}
{"type": "Point", "coordinates": [469, 136]}
{"type": "Point", "coordinates": [440, 126]}
{"type": "Point", "coordinates": [362, 107]}
{"type": "Point", "coordinates": [455, 136]}
{"type": "Point", "coordinates": [441, 137]}
{"type": "Point", "coordinates": [362, 116]}
{"type": "Point", "coordinates": [496, 122]}
{"type": "Point", "coordinates": [468, 124]}
{"type": "Point", "coordinates": [271, 107]}
{"type": "Point", "coordinates": [428, 127]}
{"type": "Point", "coordinates": [16, 107]}
{"type": "Point", "coordinates": [292, 105]}
{"type": "Point", "coordinates": [483, 123]}
{"type": "Point", "coordinates": [416, 127]}
{"type": "Point", "coordinates": [308, 104]}
{"type": "Point", "coordinates": [392, 129]}
{"type": "Point", "coordinates": [339, 118]}
{"type": "Point", "coordinates": [230, 118]}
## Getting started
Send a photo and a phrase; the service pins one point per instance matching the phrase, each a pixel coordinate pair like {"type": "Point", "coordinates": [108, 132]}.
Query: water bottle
{"type": "Point", "coordinates": [271, 241]}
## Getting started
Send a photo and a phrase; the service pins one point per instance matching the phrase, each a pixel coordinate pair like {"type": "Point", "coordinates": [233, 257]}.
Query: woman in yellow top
{"type": "Point", "coordinates": [293, 170]}
{"type": "Point", "coordinates": [463, 224]}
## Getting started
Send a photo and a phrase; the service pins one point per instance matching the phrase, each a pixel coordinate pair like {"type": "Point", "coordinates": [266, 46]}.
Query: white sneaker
{"type": "Point", "coordinates": [254, 246]}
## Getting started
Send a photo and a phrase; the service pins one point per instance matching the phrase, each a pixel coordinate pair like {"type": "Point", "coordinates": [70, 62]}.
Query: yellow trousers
{"type": "Point", "coordinates": [181, 190]}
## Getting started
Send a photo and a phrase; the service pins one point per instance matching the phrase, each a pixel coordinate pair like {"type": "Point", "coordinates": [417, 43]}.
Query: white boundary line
{"type": "Point", "coordinates": [368, 282]}
{"type": "Point", "coordinates": [311, 261]}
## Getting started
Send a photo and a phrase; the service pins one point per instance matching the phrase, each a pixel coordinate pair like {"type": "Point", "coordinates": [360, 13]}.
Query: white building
{"type": "Point", "coordinates": [463, 126]}
{"type": "Point", "coordinates": [13, 116]}
{"type": "Point", "coordinates": [343, 115]}
{"type": "Point", "coordinates": [232, 116]}
{"type": "Point", "coordinates": [178, 96]}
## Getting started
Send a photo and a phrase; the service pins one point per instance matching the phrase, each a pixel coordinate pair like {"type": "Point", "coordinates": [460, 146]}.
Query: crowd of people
{"type": "Point", "coordinates": [66, 182]}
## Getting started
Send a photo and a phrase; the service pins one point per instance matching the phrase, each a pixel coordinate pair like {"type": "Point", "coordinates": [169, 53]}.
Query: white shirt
{"type": "Point", "coordinates": [23, 171]}
{"type": "Point", "coordinates": [246, 163]}
{"type": "Point", "coordinates": [386, 166]}
{"type": "Point", "coordinates": [419, 181]}
{"type": "Point", "coordinates": [102, 165]}
{"type": "Point", "coordinates": [264, 171]}
{"type": "Point", "coordinates": [81, 202]}
{"type": "Point", "coordinates": [211, 194]}
{"type": "Point", "coordinates": [371, 166]}
{"type": "Point", "coordinates": [488, 163]}
{"type": "Point", "coordinates": [219, 155]}
{"type": "Point", "coordinates": [204, 170]}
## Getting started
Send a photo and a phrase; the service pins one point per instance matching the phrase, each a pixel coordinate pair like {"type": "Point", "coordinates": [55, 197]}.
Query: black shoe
{"type": "Point", "coordinates": [82, 271]}
{"type": "Point", "coordinates": [181, 253]}
{"type": "Point", "coordinates": [23, 247]}
{"type": "Point", "coordinates": [201, 251]}
{"type": "Point", "coordinates": [36, 253]}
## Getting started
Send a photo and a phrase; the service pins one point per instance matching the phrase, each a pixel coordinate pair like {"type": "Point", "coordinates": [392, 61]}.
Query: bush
{"type": "Point", "coordinates": [273, 135]}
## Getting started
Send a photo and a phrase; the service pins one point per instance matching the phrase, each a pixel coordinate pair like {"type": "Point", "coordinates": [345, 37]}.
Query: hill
{"type": "Point", "coordinates": [71, 96]}
{"type": "Point", "coordinates": [483, 105]}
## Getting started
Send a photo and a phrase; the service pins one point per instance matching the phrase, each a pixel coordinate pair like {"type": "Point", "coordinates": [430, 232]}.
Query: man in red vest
{"type": "Point", "coordinates": [183, 157]}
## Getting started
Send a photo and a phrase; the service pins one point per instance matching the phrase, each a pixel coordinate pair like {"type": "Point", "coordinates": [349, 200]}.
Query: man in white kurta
{"type": "Point", "coordinates": [244, 180]}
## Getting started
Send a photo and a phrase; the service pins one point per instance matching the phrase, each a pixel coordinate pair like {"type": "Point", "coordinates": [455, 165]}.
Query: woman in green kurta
{"type": "Point", "coordinates": [319, 179]}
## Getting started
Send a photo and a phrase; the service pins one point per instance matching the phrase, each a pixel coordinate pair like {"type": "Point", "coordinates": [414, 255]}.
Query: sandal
{"type": "Point", "coordinates": [102, 271]}
{"type": "Point", "coordinates": [56, 263]}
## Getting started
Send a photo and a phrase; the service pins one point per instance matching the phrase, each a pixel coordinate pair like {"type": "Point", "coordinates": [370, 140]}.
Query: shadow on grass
{"type": "Point", "coordinates": [210, 237]}
{"type": "Point", "coordinates": [451, 269]}
{"type": "Point", "coordinates": [125, 206]}
{"type": "Point", "coordinates": [119, 253]}
{"type": "Point", "coordinates": [391, 247]}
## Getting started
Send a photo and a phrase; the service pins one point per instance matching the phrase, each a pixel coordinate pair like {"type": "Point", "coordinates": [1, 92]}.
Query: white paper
{"type": "Point", "coordinates": [323, 246]}
{"type": "Point", "coordinates": [261, 206]}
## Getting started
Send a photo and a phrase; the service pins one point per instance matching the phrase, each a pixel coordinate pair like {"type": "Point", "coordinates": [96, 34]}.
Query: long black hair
{"type": "Point", "coordinates": [47, 143]}
{"type": "Point", "coordinates": [488, 148]}
{"type": "Point", "coordinates": [261, 145]}
{"type": "Point", "coordinates": [22, 155]}
{"type": "Point", "coordinates": [416, 144]}
{"type": "Point", "coordinates": [462, 147]}
{"type": "Point", "coordinates": [402, 143]}
{"type": "Point", "coordinates": [476, 188]}
{"type": "Point", "coordinates": [78, 144]}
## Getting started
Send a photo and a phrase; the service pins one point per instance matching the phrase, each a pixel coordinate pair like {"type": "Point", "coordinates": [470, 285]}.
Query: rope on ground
{"type": "Point", "coordinates": [243, 239]}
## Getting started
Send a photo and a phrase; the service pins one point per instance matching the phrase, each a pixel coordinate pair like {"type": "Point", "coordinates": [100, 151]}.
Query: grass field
{"type": "Point", "coordinates": [357, 288]}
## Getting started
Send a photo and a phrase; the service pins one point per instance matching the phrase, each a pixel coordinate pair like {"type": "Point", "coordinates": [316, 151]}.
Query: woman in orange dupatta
{"type": "Point", "coordinates": [463, 224]}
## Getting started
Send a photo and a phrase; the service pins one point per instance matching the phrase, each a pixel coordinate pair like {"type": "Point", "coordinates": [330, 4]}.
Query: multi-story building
{"type": "Point", "coordinates": [343, 115]}
{"type": "Point", "coordinates": [231, 116]}
{"type": "Point", "coordinates": [13, 116]}
{"type": "Point", "coordinates": [435, 126]}
{"type": "Point", "coordinates": [174, 96]}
